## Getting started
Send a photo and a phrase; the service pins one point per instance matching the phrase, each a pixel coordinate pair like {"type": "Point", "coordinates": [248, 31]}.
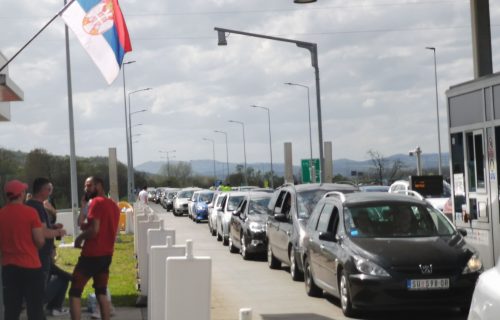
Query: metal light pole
{"type": "Point", "coordinates": [270, 143]}
{"type": "Point", "coordinates": [313, 49]}
{"type": "Point", "coordinates": [131, 135]}
{"type": "Point", "coordinates": [312, 170]}
{"type": "Point", "coordinates": [227, 152]}
{"type": "Point", "coordinates": [244, 150]}
{"type": "Point", "coordinates": [437, 108]}
{"type": "Point", "coordinates": [304, 1]}
{"type": "Point", "coordinates": [129, 179]}
{"type": "Point", "coordinates": [130, 171]}
{"type": "Point", "coordinates": [168, 159]}
{"type": "Point", "coordinates": [213, 153]}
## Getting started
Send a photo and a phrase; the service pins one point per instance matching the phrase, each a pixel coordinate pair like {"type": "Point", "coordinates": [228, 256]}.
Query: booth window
{"type": "Point", "coordinates": [475, 160]}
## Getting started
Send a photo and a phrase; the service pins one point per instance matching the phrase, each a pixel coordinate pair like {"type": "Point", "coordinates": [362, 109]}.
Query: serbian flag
{"type": "Point", "coordinates": [101, 29]}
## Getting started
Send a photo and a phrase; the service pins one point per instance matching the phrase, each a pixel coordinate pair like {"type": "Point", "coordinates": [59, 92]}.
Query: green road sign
{"type": "Point", "coordinates": [306, 172]}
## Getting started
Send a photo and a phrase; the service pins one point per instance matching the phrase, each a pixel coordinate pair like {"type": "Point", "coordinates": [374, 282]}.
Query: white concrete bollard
{"type": "Point", "coordinates": [142, 250]}
{"type": "Point", "coordinates": [245, 314]}
{"type": "Point", "coordinates": [188, 279]}
{"type": "Point", "coordinates": [137, 219]}
{"type": "Point", "coordinates": [129, 222]}
{"type": "Point", "coordinates": [157, 264]}
{"type": "Point", "coordinates": [158, 237]}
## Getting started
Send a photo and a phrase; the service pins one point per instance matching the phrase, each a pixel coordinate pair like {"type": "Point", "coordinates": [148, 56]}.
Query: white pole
{"type": "Point", "coordinates": [72, 156]}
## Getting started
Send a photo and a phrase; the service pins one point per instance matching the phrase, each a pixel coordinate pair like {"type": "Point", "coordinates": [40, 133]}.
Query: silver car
{"type": "Point", "coordinates": [230, 203]}
{"type": "Point", "coordinates": [181, 200]}
{"type": "Point", "coordinates": [212, 211]}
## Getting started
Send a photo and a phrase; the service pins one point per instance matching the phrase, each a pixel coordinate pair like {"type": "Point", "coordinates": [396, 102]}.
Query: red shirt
{"type": "Point", "coordinates": [107, 212]}
{"type": "Point", "coordinates": [16, 238]}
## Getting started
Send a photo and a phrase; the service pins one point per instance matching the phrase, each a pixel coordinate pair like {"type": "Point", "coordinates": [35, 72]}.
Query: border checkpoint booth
{"type": "Point", "coordinates": [9, 92]}
{"type": "Point", "coordinates": [473, 110]}
{"type": "Point", "coordinates": [474, 132]}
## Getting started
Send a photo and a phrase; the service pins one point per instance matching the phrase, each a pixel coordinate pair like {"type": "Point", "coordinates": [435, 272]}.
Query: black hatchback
{"type": "Point", "coordinates": [380, 251]}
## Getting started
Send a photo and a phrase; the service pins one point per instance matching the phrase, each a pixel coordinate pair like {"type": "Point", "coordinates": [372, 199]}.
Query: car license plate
{"type": "Point", "coordinates": [428, 284]}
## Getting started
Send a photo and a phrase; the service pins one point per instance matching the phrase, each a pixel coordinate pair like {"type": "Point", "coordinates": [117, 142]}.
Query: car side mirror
{"type": "Point", "coordinates": [463, 232]}
{"type": "Point", "coordinates": [236, 213]}
{"type": "Point", "coordinates": [327, 236]}
{"type": "Point", "coordinates": [280, 217]}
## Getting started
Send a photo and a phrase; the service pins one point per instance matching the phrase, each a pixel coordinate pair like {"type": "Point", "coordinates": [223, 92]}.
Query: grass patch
{"type": "Point", "coordinates": [122, 277]}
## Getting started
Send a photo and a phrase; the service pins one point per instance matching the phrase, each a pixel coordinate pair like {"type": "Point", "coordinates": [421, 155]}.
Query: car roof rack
{"type": "Point", "coordinates": [335, 194]}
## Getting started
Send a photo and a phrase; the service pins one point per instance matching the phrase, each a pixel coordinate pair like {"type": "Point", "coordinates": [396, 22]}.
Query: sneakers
{"type": "Point", "coordinates": [58, 312]}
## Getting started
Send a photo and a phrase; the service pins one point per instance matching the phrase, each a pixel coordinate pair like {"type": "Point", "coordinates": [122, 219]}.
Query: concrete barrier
{"type": "Point", "coordinates": [188, 281]}
{"type": "Point", "coordinates": [142, 252]}
{"type": "Point", "coordinates": [157, 264]}
{"type": "Point", "coordinates": [66, 218]}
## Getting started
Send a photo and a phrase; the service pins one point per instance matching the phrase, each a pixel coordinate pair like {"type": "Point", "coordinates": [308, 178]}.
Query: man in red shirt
{"type": "Point", "coordinates": [98, 238]}
{"type": "Point", "coordinates": [21, 236]}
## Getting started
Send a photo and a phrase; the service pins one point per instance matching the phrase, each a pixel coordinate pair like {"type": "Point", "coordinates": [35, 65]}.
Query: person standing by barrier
{"type": "Point", "coordinates": [42, 188]}
{"type": "Point", "coordinates": [98, 239]}
{"type": "Point", "coordinates": [143, 196]}
{"type": "Point", "coordinates": [21, 235]}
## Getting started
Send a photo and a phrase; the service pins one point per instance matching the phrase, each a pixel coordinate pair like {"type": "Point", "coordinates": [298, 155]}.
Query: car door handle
{"type": "Point", "coordinates": [288, 233]}
{"type": "Point", "coordinates": [322, 247]}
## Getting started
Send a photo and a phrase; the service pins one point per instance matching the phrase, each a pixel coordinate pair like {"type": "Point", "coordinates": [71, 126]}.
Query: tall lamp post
{"type": "Point", "coordinates": [313, 49]}
{"type": "Point", "coordinates": [270, 143]}
{"type": "Point", "coordinates": [437, 108]}
{"type": "Point", "coordinates": [129, 182]}
{"type": "Point", "coordinates": [244, 149]}
{"type": "Point", "coordinates": [227, 152]}
{"type": "Point", "coordinates": [130, 171]}
{"type": "Point", "coordinates": [312, 172]}
{"type": "Point", "coordinates": [213, 153]}
{"type": "Point", "coordinates": [131, 135]}
{"type": "Point", "coordinates": [168, 159]}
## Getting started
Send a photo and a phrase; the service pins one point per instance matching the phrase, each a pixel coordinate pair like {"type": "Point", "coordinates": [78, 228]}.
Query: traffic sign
{"type": "Point", "coordinates": [306, 171]}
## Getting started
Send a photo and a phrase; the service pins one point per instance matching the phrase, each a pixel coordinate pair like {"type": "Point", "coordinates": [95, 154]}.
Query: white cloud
{"type": "Point", "coordinates": [376, 77]}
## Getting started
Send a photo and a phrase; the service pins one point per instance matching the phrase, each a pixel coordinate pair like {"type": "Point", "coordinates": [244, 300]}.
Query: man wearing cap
{"type": "Point", "coordinates": [21, 236]}
{"type": "Point", "coordinates": [98, 239]}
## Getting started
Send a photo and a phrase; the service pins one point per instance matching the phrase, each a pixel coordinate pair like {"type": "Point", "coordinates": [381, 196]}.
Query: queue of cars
{"type": "Point", "coordinates": [371, 250]}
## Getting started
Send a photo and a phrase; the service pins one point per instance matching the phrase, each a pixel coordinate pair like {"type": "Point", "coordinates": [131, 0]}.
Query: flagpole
{"type": "Point", "coordinates": [37, 34]}
{"type": "Point", "coordinates": [72, 157]}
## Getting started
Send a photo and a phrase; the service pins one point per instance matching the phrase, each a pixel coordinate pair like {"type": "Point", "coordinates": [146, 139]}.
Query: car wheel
{"type": "Point", "coordinates": [232, 248]}
{"type": "Point", "coordinates": [296, 274]}
{"type": "Point", "coordinates": [225, 240]}
{"type": "Point", "coordinates": [312, 289]}
{"type": "Point", "coordinates": [214, 232]}
{"type": "Point", "coordinates": [244, 253]}
{"type": "Point", "coordinates": [219, 237]}
{"type": "Point", "coordinates": [272, 262]}
{"type": "Point", "coordinates": [345, 295]}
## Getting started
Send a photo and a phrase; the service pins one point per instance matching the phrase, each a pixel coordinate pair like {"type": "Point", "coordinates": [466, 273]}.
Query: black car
{"type": "Point", "coordinates": [288, 212]}
{"type": "Point", "coordinates": [247, 227]}
{"type": "Point", "coordinates": [380, 251]}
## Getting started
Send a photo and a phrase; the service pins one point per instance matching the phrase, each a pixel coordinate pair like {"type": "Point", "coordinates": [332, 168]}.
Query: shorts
{"type": "Point", "coordinates": [96, 268]}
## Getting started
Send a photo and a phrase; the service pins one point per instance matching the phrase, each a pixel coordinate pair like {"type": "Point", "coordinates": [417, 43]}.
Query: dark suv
{"type": "Point", "coordinates": [289, 210]}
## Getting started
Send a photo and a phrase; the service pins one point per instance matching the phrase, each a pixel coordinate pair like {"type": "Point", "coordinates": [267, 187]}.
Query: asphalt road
{"type": "Point", "coordinates": [271, 294]}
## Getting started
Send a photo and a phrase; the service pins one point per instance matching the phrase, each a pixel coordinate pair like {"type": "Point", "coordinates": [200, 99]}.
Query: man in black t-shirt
{"type": "Point", "coordinates": [41, 191]}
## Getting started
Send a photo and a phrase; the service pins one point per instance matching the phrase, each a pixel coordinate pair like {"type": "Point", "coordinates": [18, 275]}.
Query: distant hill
{"type": "Point", "coordinates": [340, 166]}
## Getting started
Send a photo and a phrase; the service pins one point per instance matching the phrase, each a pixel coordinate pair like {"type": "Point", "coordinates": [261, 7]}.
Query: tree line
{"type": "Point", "coordinates": [39, 163]}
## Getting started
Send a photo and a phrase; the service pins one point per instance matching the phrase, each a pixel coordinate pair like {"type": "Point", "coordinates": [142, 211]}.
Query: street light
{"type": "Point", "coordinates": [312, 171]}
{"type": "Point", "coordinates": [168, 159]}
{"type": "Point", "coordinates": [270, 144]}
{"type": "Point", "coordinates": [437, 107]}
{"type": "Point", "coordinates": [131, 160]}
{"type": "Point", "coordinates": [313, 49]}
{"type": "Point", "coordinates": [213, 153]}
{"type": "Point", "coordinates": [244, 149]}
{"type": "Point", "coordinates": [227, 152]}
{"type": "Point", "coordinates": [304, 1]}
{"type": "Point", "coordinates": [129, 182]}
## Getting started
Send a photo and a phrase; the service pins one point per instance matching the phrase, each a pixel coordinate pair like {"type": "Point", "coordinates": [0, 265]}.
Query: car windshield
{"type": "Point", "coordinates": [206, 197]}
{"type": "Point", "coordinates": [233, 202]}
{"type": "Point", "coordinates": [259, 205]}
{"type": "Point", "coordinates": [394, 220]}
{"type": "Point", "coordinates": [307, 200]}
{"type": "Point", "coordinates": [171, 195]}
{"type": "Point", "coordinates": [185, 194]}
